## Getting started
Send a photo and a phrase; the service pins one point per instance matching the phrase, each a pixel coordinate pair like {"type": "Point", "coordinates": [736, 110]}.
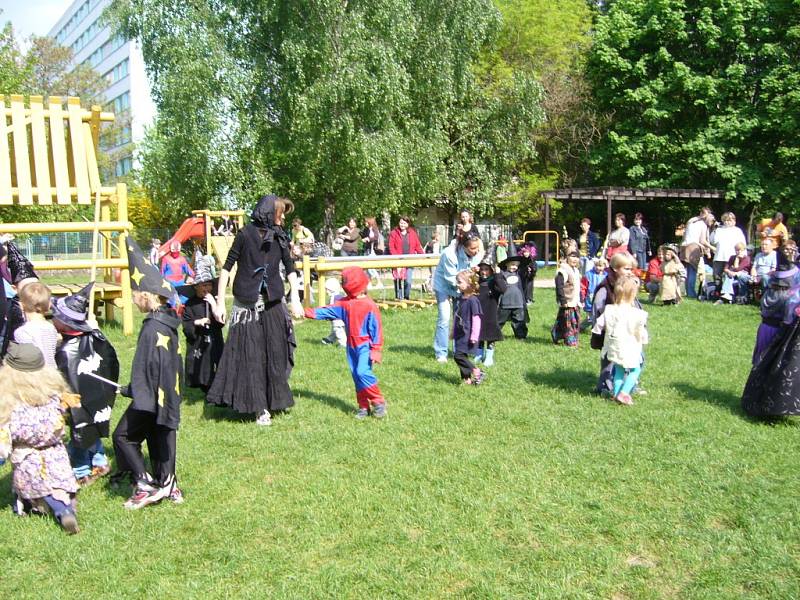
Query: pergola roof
{"type": "Point", "coordinates": [622, 193]}
{"type": "Point", "coordinates": [613, 194]}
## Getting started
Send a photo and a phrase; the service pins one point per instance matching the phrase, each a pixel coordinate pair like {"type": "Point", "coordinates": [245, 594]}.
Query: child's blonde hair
{"type": "Point", "coordinates": [471, 278]}
{"type": "Point", "coordinates": [601, 262]}
{"type": "Point", "coordinates": [35, 298]}
{"type": "Point", "coordinates": [622, 259]}
{"type": "Point", "coordinates": [625, 290]}
{"type": "Point", "coordinates": [34, 388]}
{"type": "Point", "coordinates": [148, 301]}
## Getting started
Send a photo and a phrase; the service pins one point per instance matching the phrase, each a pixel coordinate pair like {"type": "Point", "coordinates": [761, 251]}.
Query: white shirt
{"type": "Point", "coordinates": [626, 333]}
{"type": "Point", "coordinates": [694, 231]}
{"type": "Point", "coordinates": [725, 239]}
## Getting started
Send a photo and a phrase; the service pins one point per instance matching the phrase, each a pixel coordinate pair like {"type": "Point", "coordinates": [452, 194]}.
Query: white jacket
{"type": "Point", "coordinates": [626, 333]}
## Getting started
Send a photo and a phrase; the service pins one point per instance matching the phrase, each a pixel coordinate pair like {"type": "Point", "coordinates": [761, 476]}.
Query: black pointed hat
{"type": "Point", "coordinates": [73, 310]}
{"type": "Point", "coordinates": [145, 277]}
{"type": "Point", "coordinates": [522, 261]}
{"type": "Point", "coordinates": [203, 273]}
{"type": "Point", "coordinates": [20, 267]}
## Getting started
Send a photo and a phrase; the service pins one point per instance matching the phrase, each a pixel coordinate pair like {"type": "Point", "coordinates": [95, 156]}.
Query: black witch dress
{"type": "Point", "coordinates": [258, 358]}
{"type": "Point", "coordinates": [773, 387]}
{"type": "Point", "coordinates": [204, 344]}
{"type": "Point", "coordinates": [490, 291]}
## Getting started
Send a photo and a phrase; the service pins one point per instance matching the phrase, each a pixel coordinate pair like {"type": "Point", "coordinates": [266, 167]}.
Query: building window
{"type": "Point", "coordinates": [123, 166]}
{"type": "Point", "coordinates": [120, 103]}
{"type": "Point", "coordinates": [118, 72]}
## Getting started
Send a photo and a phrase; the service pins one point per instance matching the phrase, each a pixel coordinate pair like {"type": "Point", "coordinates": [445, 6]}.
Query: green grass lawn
{"type": "Point", "coordinates": [526, 487]}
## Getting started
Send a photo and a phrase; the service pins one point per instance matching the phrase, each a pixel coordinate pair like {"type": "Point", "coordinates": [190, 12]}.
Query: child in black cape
{"type": "Point", "coordinates": [154, 412]}
{"type": "Point", "coordinates": [84, 351]}
{"type": "Point", "coordinates": [203, 332]}
{"type": "Point", "coordinates": [491, 288]}
{"type": "Point", "coordinates": [513, 304]}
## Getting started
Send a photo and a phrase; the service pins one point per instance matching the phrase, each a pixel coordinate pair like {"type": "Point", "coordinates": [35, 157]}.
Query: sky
{"type": "Point", "coordinates": [32, 17]}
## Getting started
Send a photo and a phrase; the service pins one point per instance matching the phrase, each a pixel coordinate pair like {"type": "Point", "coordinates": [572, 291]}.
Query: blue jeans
{"type": "Point", "coordinates": [83, 459]}
{"type": "Point", "coordinates": [691, 281]}
{"type": "Point", "coordinates": [625, 379]}
{"type": "Point", "coordinates": [441, 337]}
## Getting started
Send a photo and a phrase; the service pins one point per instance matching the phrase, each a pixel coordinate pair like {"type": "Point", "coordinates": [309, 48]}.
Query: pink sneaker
{"type": "Point", "coordinates": [624, 398]}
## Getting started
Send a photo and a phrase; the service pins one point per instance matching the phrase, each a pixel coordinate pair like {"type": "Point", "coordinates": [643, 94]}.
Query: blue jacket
{"type": "Point", "coordinates": [593, 241]}
{"type": "Point", "coordinates": [453, 260]}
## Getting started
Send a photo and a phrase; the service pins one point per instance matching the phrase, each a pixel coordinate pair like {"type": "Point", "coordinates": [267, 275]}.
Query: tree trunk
{"type": "Point", "coordinates": [328, 226]}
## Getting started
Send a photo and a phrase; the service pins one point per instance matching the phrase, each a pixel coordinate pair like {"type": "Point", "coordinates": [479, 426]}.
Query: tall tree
{"type": "Point", "coordinates": [353, 106]}
{"type": "Point", "coordinates": [703, 95]}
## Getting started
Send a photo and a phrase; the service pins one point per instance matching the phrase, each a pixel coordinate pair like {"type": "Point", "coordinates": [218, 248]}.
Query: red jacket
{"type": "Point", "coordinates": [396, 242]}
{"type": "Point", "coordinates": [654, 270]}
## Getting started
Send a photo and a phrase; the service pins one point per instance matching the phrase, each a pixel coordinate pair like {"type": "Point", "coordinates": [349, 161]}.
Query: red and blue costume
{"type": "Point", "coordinates": [174, 266]}
{"type": "Point", "coordinates": [362, 322]}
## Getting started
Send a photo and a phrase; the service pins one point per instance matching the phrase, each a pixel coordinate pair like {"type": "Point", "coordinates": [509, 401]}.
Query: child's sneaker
{"type": "Point", "coordinates": [477, 378]}
{"type": "Point", "coordinates": [175, 495]}
{"type": "Point", "coordinates": [69, 523]}
{"type": "Point", "coordinates": [379, 410]}
{"type": "Point", "coordinates": [264, 419]}
{"type": "Point", "coordinates": [624, 398]}
{"type": "Point", "coordinates": [362, 413]}
{"type": "Point", "coordinates": [145, 494]}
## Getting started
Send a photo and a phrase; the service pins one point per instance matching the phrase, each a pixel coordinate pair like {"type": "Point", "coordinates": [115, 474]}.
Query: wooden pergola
{"type": "Point", "coordinates": [614, 194]}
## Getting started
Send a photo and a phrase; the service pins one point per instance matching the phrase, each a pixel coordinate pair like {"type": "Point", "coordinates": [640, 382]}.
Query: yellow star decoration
{"type": "Point", "coordinates": [177, 384]}
{"type": "Point", "coordinates": [162, 341]}
{"type": "Point", "coordinates": [137, 275]}
{"type": "Point", "coordinates": [160, 397]}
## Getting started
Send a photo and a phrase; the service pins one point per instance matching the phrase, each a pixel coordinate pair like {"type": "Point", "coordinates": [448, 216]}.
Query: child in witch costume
{"type": "Point", "coordinates": [154, 412]}
{"type": "Point", "coordinates": [513, 304]}
{"type": "Point", "coordinates": [364, 338]}
{"type": "Point", "coordinates": [84, 351]}
{"type": "Point", "coordinates": [492, 286]}
{"type": "Point", "coordinates": [203, 332]}
{"type": "Point", "coordinates": [32, 403]}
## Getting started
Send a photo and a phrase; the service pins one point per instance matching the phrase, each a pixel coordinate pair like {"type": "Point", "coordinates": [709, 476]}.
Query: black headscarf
{"type": "Point", "coordinates": [263, 217]}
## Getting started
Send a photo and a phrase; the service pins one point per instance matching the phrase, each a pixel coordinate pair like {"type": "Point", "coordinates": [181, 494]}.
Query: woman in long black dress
{"type": "Point", "coordinates": [253, 375]}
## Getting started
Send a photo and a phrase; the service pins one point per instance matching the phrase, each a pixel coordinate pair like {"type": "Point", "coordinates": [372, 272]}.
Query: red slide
{"type": "Point", "coordinates": [191, 228]}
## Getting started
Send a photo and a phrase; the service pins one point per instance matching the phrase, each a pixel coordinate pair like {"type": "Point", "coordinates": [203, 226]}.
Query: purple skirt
{"type": "Point", "coordinates": [764, 336]}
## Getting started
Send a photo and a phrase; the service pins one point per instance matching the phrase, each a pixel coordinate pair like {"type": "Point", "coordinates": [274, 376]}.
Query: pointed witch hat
{"type": "Point", "coordinates": [20, 267]}
{"type": "Point", "coordinates": [145, 277]}
{"type": "Point", "coordinates": [203, 273]}
{"type": "Point", "coordinates": [73, 310]}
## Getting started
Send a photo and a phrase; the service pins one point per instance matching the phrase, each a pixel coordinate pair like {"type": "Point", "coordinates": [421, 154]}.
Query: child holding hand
{"type": "Point", "coordinates": [625, 328]}
{"type": "Point", "coordinates": [467, 328]}
{"type": "Point", "coordinates": [362, 323]}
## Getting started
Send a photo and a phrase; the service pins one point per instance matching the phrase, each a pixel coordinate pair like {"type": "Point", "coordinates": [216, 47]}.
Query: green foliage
{"type": "Point", "coordinates": [15, 68]}
{"type": "Point", "coordinates": [704, 94]}
{"type": "Point", "coordinates": [352, 107]}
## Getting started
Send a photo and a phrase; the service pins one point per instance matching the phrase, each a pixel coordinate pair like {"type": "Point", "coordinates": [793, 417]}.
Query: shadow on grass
{"type": "Point", "coordinates": [193, 395]}
{"type": "Point", "coordinates": [211, 412]}
{"type": "Point", "coordinates": [569, 380]}
{"type": "Point", "coordinates": [421, 350]}
{"type": "Point", "coordinates": [438, 375]}
{"type": "Point", "coordinates": [5, 490]}
{"type": "Point", "coordinates": [727, 400]}
{"type": "Point", "coordinates": [332, 401]}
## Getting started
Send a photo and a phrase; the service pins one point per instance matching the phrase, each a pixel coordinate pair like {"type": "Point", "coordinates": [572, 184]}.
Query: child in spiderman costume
{"type": "Point", "coordinates": [174, 266]}
{"type": "Point", "coordinates": [362, 323]}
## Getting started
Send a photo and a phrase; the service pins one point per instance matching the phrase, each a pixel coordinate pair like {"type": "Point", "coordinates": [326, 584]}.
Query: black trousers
{"type": "Point", "coordinates": [465, 364]}
{"type": "Point", "coordinates": [135, 427]}
{"type": "Point", "coordinates": [518, 318]}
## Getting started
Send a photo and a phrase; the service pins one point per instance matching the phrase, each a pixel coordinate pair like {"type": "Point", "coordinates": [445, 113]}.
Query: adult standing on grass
{"type": "Point", "coordinates": [619, 238]}
{"type": "Point", "coordinates": [403, 240]}
{"type": "Point", "coordinates": [349, 234]}
{"type": "Point", "coordinates": [724, 239]}
{"type": "Point", "coordinates": [253, 374]}
{"type": "Point", "coordinates": [464, 254]}
{"type": "Point", "coordinates": [694, 246]}
{"type": "Point", "coordinates": [465, 225]}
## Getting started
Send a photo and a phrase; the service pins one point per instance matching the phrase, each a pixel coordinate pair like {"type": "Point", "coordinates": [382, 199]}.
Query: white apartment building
{"type": "Point", "coordinates": [120, 62]}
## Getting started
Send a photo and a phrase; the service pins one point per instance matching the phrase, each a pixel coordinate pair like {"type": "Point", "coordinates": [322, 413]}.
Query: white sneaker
{"type": "Point", "coordinates": [441, 359]}
{"type": "Point", "coordinates": [264, 419]}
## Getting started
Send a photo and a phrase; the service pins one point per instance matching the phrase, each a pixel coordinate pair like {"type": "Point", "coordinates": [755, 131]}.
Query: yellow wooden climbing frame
{"type": "Point", "coordinates": [48, 155]}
